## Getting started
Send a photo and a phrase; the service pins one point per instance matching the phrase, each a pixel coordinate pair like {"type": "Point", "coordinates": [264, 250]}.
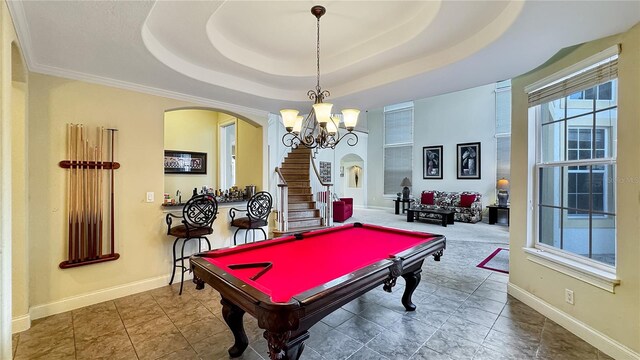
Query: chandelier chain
{"type": "Point", "coordinates": [318, 56]}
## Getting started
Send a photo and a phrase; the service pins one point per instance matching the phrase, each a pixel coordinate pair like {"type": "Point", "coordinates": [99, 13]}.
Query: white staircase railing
{"type": "Point", "coordinates": [322, 194]}
{"type": "Point", "coordinates": [282, 203]}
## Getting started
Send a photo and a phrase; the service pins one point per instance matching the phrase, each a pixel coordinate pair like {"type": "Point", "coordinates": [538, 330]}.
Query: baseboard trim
{"type": "Point", "coordinates": [594, 337]}
{"type": "Point", "coordinates": [20, 323]}
{"type": "Point", "coordinates": [95, 297]}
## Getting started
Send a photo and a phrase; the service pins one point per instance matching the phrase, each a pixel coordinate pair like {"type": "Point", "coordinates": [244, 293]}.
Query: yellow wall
{"type": "Point", "coordinates": [13, 226]}
{"type": "Point", "coordinates": [192, 130]}
{"type": "Point", "coordinates": [617, 316]}
{"type": "Point", "coordinates": [140, 229]}
{"type": "Point", "coordinates": [19, 265]}
{"type": "Point", "coordinates": [249, 151]}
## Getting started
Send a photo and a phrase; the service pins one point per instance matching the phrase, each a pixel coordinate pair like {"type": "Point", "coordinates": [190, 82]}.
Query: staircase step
{"type": "Point", "coordinates": [300, 191]}
{"type": "Point", "coordinates": [304, 222]}
{"type": "Point", "coordinates": [295, 177]}
{"type": "Point", "coordinates": [300, 198]}
{"type": "Point", "coordinates": [297, 167]}
{"type": "Point", "coordinates": [295, 163]}
{"type": "Point", "coordinates": [301, 214]}
{"type": "Point", "coordinates": [298, 155]}
{"type": "Point", "coordinates": [302, 205]}
{"type": "Point", "coordinates": [296, 160]}
{"type": "Point", "coordinates": [294, 170]}
{"type": "Point", "coordinates": [297, 230]}
{"type": "Point", "coordinates": [299, 183]}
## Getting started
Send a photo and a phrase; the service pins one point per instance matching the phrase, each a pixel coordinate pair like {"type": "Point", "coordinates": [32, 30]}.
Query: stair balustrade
{"type": "Point", "coordinates": [282, 203]}
{"type": "Point", "coordinates": [322, 193]}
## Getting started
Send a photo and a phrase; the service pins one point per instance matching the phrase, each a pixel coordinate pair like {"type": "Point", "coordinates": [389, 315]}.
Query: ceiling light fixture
{"type": "Point", "coordinates": [320, 129]}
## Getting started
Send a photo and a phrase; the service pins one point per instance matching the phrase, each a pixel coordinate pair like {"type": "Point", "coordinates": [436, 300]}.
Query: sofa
{"type": "Point", "coordinates": [342, 209]}
{"type": "Point", "coordinates": [467, 205]}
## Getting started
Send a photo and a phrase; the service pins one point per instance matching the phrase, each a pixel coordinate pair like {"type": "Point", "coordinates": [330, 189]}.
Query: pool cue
{"type": "Point", "coordinates": [91, 194]}
{"type": "Point", "coordinates": [78, 188]}
{"type": "Point", "coordinates": [69, 204]}
{"type": "Point", "coordinates": [94, 200]}
{"type": "Point", "coordinates": [100, 174]}
{"type": "Point", "coordinates": [112, 192]}
{"type": "Point", "coordinates": [83, 214]}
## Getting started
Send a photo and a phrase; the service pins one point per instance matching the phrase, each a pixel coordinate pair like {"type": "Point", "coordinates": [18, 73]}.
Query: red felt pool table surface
{"type": "Point", "coordinates": [320, 257]}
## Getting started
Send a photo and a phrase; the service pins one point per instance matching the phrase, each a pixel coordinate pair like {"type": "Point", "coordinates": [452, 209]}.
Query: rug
{"type": "Point", "coordinates": [497, 261]}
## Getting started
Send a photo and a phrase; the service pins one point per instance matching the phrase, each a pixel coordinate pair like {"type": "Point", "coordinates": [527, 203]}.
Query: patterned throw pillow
{"type": "Point", "coordinates": [466, 200]}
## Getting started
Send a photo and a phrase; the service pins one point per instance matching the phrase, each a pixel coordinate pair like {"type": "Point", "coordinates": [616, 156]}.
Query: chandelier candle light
{"type": "Point", "coordinates": [320, 129]}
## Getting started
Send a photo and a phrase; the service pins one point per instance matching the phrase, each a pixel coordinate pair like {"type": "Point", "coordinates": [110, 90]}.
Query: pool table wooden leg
{"type": "Point", "coordinates": [232, 315]}
{"type": "Point", "coordinates": [283, 347]}
{"type": "Point", "coordinates": [412, 280]}
{"type": "Point", "coordinates": [199, 282]}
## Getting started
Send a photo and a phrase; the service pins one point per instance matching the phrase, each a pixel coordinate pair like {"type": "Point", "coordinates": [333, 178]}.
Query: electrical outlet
{"type": "Point", "coordinates": [150, 196]}
{"type": "Point", "coordinates": [568, 296]}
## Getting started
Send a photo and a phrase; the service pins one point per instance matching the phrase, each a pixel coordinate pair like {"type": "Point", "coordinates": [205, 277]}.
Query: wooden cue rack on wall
{"type": "Point", "coordinates": [86, 200]}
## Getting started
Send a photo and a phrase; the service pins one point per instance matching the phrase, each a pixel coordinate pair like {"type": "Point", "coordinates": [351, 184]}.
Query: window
{"type": "Point", "coordinates": [580, 144]}
{"type": "Point", "coordinates": [398, 146]}
{"type": "Point", "coordinates": [576, 121]}
{"type": "Point", "coordinates": [503, 130]}
{"type": "Point", "coordinates": [601, 92]}
{"type": "Point", "coordinates": [227, 155]}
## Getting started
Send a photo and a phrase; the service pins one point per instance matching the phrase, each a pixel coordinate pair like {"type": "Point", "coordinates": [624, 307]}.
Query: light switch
{"type": "Point", "coordinates": [150, 196]}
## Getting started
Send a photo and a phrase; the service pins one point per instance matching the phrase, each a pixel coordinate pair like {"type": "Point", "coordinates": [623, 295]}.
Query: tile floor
{"type": "Point", "coordinates": [463, 313]}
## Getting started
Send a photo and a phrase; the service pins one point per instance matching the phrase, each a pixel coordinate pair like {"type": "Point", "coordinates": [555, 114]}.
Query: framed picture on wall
{"type": "Point", "coordinates": [432, 162]}
{"type": "Point", "coordinates": [325, 171]}
{"type": "Point", "coordinates": [468, 159]}
{"type": "Point", "coordinates": [185, 162]}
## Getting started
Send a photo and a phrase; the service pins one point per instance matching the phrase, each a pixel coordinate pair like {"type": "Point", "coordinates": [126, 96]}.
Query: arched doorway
{"type": "Point", "coordinates": [232, 143]}
{"type": "Point", "coordinates": [352, 176]}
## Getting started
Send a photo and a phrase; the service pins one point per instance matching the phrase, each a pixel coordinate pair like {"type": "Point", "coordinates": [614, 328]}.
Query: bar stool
{"type": "Point", "coordinates": [257, 211]}
{"type": "Point", "coordinates": [197, 217]}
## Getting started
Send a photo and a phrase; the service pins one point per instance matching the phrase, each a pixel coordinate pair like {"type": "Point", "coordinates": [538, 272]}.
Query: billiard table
{"type": "Point", "coordinates": [291, 283]}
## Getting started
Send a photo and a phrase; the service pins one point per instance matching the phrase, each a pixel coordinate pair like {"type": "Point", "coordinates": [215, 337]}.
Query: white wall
{"type": "Point", "coordinates": [450, 119]}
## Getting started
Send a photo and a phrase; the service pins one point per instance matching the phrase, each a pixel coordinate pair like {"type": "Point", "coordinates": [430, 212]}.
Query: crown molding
{"type": "Point", "coordinates": [75, 75]}
{"type": "Point", "coordinates": [16, 10]}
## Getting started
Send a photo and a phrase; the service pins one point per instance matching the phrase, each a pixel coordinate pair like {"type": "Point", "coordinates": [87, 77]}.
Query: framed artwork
{"type": "Point", "coordinates": [325, 171]}
{"type": "Point", "coordinates": [185, 162]}
{"type": "Point", "coordinates": [468, 158]}
{"type": "Point", "coordinates": [432, 162]}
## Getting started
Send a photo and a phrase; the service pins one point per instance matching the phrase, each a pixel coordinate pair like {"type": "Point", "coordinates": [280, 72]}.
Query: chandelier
{"type": "Point", "coordinates": [320, 129]}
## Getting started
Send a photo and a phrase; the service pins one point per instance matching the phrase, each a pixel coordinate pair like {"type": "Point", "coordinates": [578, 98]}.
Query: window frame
{"type": "Point", "coordinates": [593, 272]}
{"type": "Point", "coordinates": [605, 173]}
{"type": "Point", "coordinates": [395, 109]}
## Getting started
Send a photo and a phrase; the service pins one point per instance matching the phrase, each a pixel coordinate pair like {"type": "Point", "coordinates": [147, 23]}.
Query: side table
{"type": "Point", "coordinates": [405, 204]}
{"type": "Point", "coordinates": [493, 213]}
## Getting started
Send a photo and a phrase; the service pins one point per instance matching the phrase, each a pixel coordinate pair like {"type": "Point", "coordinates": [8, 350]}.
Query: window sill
{"type": "Point", "coordinates": [599, 278]}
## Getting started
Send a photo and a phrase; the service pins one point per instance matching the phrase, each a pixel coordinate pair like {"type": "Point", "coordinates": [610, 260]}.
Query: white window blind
{"type": "Point", "coordinates": [398, 146]}
{"type": "Point", "coordinates": [595, 74]}
{"type": "Point", "coordinates": [397, 166]}
{"type": "Point", "coordinates": [398, 127]}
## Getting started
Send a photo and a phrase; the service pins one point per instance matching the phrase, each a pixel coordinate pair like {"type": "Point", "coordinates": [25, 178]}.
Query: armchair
{"type": "Point", "coordinates": [342, 209]}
